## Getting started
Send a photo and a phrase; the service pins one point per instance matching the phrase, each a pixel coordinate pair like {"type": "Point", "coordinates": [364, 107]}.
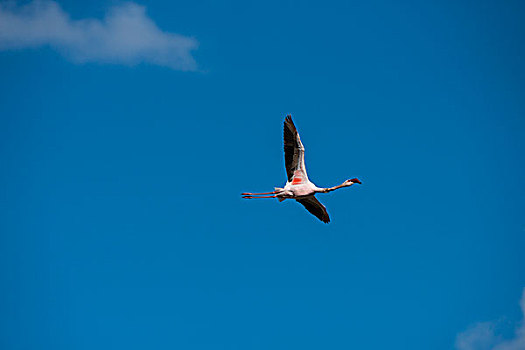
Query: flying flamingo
{"type": "Point", "coordinates": [298, 186]}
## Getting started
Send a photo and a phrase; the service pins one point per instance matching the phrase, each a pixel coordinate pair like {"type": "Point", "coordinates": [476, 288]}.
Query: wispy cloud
{"type": "Point", "coordinates": [483, 336]}
{"type": "Point", "coordinates": [126, 35]}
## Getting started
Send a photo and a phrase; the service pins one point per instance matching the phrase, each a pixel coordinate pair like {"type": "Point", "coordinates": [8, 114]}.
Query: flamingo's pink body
{"type": "Point", "coordinates": [298, 186]}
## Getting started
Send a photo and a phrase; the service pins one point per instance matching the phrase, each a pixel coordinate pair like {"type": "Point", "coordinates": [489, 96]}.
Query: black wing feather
{"type": "Point", "coordinates": [291, 147]}
{"type": "Point", "coordinates": [315, 207]}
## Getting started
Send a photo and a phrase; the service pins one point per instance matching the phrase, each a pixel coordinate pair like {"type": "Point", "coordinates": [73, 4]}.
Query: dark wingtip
{"type": "Point", "coordinates": [288, 122]}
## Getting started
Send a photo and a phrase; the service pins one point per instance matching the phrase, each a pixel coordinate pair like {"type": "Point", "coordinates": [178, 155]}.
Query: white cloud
{"type": "Point", "coordinates": [482, 336]}
{"type": "Point", "coordinates": [478, 337]}
{"type": "Point", "coordinates": [126, 35]}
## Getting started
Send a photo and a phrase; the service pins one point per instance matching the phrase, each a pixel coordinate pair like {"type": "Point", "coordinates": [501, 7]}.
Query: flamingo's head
{"type": "Point", "coordinates": [352, 181]}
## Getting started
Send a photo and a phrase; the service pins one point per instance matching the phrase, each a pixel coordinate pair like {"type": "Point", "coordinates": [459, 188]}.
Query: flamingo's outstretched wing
{"type": "Point", "coordinates": [315, 207]}
{"type": "Point", "coordinates": [293, 151]}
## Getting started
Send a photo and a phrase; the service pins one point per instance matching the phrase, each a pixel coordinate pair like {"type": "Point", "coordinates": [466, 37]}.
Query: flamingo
{"type": "Point", "coordinates": [298, 186]}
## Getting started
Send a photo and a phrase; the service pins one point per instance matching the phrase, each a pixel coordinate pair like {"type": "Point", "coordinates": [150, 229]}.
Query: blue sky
{"type": "Point", "coordinates": [124, 151]}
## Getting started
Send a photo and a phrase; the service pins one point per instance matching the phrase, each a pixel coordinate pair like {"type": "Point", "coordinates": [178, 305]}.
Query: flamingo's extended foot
{"type": "Point", "coordinates": [257, 194]}
{"type": "Point", "coordinates": [253, 197]}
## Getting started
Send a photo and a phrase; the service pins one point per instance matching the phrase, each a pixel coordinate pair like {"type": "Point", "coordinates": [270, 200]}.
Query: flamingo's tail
{"type": "Point", "coordinates": [278, 189]}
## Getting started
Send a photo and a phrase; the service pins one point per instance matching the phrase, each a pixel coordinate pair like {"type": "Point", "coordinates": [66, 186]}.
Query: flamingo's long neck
{"type": "Point", "coordinates": [330, 189]}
